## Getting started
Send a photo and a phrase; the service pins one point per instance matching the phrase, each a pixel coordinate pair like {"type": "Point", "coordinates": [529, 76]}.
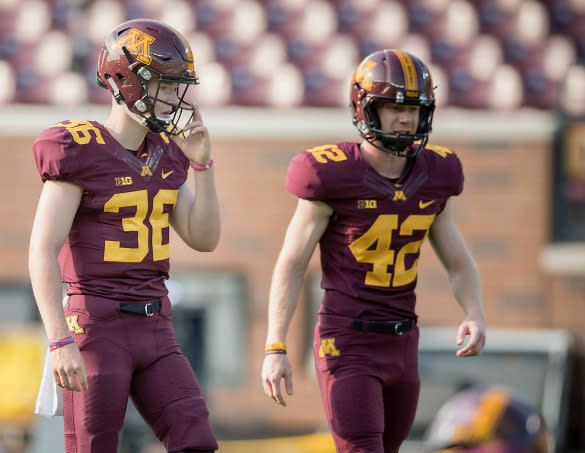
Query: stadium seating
{"type": "Point", "coordinates": [487, 54]}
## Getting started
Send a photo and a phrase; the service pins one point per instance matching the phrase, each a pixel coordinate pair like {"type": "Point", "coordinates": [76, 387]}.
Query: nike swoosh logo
{"type": "Point", "coordinates": [423, 204]}
{"type": "Point", "coordinates": [167, 174]}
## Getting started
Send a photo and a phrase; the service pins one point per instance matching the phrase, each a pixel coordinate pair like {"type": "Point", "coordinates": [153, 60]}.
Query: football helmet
{"type": "Point", "coordinates": [392, 76]}
{"type": "Point", "coordinates": [487, 420]}
{"type": "Point", "coordinates": [134, 53]}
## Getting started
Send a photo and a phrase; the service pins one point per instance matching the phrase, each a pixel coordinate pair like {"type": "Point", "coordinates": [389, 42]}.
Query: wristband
{"type": "Point", "coordinates": [59, 343]}
{"type": "Point", "coordinates": [200, 168]}
{"type": "Point", "coordinates": [281, 347]}
{"type": "Point", "coordinates": [275, 351]}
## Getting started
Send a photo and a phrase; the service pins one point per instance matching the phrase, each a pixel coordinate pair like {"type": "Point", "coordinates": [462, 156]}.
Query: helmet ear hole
{"type": "Point", "coordinates": [371, 115]}
{"type": "Point", "coordinates": [123, 80]}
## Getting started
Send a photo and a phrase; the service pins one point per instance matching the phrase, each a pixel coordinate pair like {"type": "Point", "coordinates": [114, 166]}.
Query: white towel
{"type": "Point", "coordinates": [50, 397]}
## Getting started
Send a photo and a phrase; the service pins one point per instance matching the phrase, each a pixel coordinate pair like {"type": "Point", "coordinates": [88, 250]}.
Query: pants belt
{"type": "Point", "coordinates": [142, 309]}
{"type": "Point", "coordinates": [394, 327]}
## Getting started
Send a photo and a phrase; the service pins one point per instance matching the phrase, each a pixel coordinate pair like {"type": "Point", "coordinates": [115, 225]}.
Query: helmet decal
{"type": "Point", "coordinates": [362, 74]}
{"type": "Point", "coordinates": [410, 76]}
{"type": "Point", "coordinates": [489, 412]}
{"type": "Point", "coordinates": [138, 42]}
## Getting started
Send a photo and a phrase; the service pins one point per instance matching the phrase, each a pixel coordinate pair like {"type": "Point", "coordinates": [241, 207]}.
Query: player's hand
{"type": "Point", "coordinates": [69, 368]}
{"type": "Point", "coordinates": [475, 330]}
{"type": "Point", "coordinates": [275, 367]}
{"type": "Point", "coordinates": [194, 140]}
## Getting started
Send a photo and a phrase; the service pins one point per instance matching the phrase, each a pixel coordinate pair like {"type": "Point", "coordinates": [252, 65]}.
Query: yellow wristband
{"type": "Point", "coordinates": [275, 347]}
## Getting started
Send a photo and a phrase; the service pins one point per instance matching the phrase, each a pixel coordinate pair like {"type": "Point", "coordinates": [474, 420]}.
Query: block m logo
{"type": "Point", "coordinates": [138, 42]}
{"type": "Point", "coordinates": [328, 347]}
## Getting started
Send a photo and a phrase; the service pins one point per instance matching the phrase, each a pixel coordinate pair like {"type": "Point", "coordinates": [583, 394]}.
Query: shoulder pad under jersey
{"type": "Point", "coordinates": [319, 173]}
{"type": "Point", "coordinates": [61, 151]}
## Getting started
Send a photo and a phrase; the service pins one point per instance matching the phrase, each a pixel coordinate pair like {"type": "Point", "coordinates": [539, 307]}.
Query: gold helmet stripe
{"type": "Point", "coordinates": [410, 77]}
{"type": "Point", "coordinates": [488, 414]}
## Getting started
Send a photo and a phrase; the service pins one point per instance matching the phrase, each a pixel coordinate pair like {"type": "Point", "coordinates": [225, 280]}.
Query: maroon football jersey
{"type": "Point", "coordinates": [118, 244]}
{"type": "Point", "coordinates": [370, 249]}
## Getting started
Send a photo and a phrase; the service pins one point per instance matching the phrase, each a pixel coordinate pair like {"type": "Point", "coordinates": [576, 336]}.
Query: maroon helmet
{"type": "Point", "coordinates": [487, 420]}
{"type": "Point", "coordinates": [392, 76]}
{"type": "Point", "coordinates": [135, 52]}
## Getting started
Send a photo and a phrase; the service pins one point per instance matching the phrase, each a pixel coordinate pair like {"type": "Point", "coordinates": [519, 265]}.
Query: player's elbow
{"type": "Point", "coordinates": [206, 242]}
{"type": "Point", "coordinates": [39, 247]}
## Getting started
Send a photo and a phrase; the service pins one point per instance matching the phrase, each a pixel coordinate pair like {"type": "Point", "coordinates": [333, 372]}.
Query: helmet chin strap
{"type": "Point", "coordinates": [389, 145]}
{"type": "Point", "coordinates": [389, 149]}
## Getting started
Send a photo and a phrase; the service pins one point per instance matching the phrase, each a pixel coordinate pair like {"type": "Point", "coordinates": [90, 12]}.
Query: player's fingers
{"type": "Point", "coordinates": [268, 388]}
{"type": "Point", "coordinates": [288, 382]}
{"type": "Point", "coordinates": [277, 394]}
{"type": "Point", "coordinates": [193, 124]}
{"type": "Point", "coordinates": [473, 346]}
{"type": "Point", "coordinates": [72, 381]}
{"type": "Point", "coordinates": [75, 377]}
{"type": "Point", "coordinates": [461, 333]}
{"type": "Point", "coordinates": [196, 112]}
{"type": "Point", "coordinates": [64, 379]}
{"type": "Point", "coordinates": [57, 379]}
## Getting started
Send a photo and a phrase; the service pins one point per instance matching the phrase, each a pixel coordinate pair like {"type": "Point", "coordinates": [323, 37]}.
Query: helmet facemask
{"type": "Point", "coordinates": [397, 143]}
{"type": "Point", "coordinates": [181, 112]}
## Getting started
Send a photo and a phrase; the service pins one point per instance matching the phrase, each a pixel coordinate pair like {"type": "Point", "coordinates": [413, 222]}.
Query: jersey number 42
{"type": "Point", "coordinates": [375, 247]}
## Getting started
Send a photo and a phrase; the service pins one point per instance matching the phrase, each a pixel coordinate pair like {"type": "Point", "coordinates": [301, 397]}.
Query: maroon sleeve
{"type": "Point", "coordinates": [303, 178]}
{"type": "Point", "coordinates": [456, 174]}
{"type": "Point", "coordinates": [445, 169]}
{"type": "Point", "coordinates": [57, 156]}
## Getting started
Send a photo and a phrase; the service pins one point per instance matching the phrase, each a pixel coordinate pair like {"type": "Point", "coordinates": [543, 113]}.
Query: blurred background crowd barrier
{"type": "Point", "coordinates": [484, 54]}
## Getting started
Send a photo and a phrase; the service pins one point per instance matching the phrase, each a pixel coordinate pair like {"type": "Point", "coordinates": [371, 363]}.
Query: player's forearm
{"type": "Point", "coordinates": [204, 218]}
{"type": "Point", "coordinates": [287, 281]}
{"type": "Point", "coordinates": [466, 286]}
{"type": "Point", "coordinates": [45, 277]}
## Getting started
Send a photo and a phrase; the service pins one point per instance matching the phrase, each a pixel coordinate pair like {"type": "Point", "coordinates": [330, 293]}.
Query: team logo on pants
{"type": "Point", "coordinates": [74, 324]}
{"type": "Point", "coordinates": [328, 347]}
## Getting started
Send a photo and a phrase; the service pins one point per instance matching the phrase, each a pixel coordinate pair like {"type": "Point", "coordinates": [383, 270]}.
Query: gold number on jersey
{"type": "Point", "coordinates": [80, 131]}
{"type": "Point", "coordinates": [375, 247]}
{"type": "Point", "coordinates": [440, 150]}
{"type": "Point", "coordinates": [324, 153]}
{"type": "Point", "coordinates": [158, 220]}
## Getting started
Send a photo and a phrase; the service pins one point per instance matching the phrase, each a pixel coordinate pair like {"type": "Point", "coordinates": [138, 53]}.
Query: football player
{"type": "Point", "coordinates": [110, 193]}
{"type": "Point", "coordinates": [487, 420]}
{"type": "Point", "coordinates": [370, 206]}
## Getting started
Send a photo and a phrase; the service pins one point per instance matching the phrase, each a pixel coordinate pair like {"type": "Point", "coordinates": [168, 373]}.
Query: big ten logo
{"type": "Point", "coordinates": [123, 181]}
{"type": "Point", "coordinates": [367, 204]}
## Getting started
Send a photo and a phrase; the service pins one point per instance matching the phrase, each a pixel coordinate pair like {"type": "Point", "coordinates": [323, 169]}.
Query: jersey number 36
{"type": "Point", "coordinates": [158, 220]}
